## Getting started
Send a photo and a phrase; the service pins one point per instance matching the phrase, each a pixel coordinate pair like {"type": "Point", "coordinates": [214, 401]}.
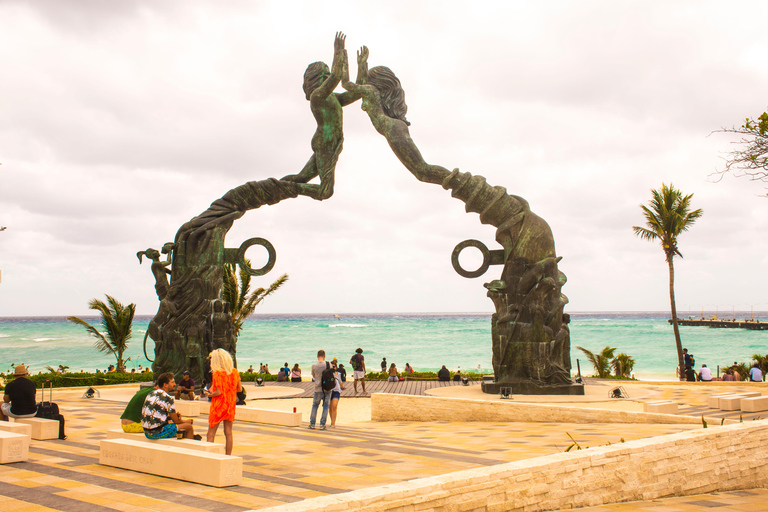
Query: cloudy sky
{"type": "Point", "coordinates": [120, 121]}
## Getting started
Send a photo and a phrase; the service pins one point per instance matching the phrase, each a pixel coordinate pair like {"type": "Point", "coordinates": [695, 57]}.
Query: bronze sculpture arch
{"type": "Point", "coordinates": [530, 334]}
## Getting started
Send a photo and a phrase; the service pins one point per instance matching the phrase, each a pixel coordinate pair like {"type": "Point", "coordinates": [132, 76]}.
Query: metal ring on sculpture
{"type": "Point", "coordinates": [270, 262]}
{"type": "Point", "coordinates": [471, 243]}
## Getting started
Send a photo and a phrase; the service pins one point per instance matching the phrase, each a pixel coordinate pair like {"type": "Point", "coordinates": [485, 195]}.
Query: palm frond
{"type": "Point", "coordinates": [101, 343]}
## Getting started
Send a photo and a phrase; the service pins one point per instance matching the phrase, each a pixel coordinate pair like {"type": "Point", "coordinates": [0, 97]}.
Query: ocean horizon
{"type": "Point", "coordinates": [424, 340]}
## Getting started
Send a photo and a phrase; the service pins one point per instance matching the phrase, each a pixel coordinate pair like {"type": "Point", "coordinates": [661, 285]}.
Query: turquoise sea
{"type": "Point", "coordinates": [426, 341]}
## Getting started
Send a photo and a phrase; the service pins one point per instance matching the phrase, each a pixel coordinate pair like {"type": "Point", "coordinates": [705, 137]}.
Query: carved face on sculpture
{"type": "Point", "coordinates": [314, 76]}
{"type": "Point", "coordinates": [391, 92]}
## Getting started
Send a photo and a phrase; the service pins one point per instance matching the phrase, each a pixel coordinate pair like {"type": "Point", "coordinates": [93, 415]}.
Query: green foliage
{"type": "Point", "coordinates": [623, 365]}
{"type": "Point", "coordinates": [68, 380]}
{"type": "Point", "coordinates": [251, 377]}
{"type": "Point", "coordinates": [236, 292]}
{"type": "Point", "coordinates": [117, 322]}
{"type": "Point", "coordinates": [667, 216]}
{"type": "Point", "coordinates": [574, 443]}
{"type": "Point", "coordinates": [750, 158]}
{"type": "Point", "coordinates": [601, 361]}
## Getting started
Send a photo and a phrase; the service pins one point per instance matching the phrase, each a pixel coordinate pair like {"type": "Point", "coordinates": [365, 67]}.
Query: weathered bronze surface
{"type": "Point", "coordinates": [530, 336]}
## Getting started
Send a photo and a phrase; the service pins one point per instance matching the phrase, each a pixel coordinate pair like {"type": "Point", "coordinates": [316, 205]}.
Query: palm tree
{"type": "Point", "coordinates": [117, 321]}
{"type": "Point", "coordinates": [622, 365]}
{"type": "Point", "coordinates": [241, 303]}
{"type": "Point", "coordinates": [601, 361]}
{"type": "Point", "coordinates": [666, 217]}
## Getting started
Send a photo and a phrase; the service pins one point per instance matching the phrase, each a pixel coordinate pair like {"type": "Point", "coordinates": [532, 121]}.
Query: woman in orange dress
{"type": "Point", "coordinates": [226, 384]}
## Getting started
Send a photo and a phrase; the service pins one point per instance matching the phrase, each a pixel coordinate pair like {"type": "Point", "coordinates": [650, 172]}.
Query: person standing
{"type": "Point", "coordinates": [384, 365]}
{"type": "Point", "coordinates": [226, 384]}
{"type": "Point", "coordinates": [342, 373]}
{"type": "Point", "coordinates": [320, 393]}
{"type": "Point", "coordinates": [335, 397]}
{"type": "Point", "coordinates": [159, 418]}
{"type": "Point", "coordinates": [358, 368]}
{"type": "Point", "coordinates": [19, 396]}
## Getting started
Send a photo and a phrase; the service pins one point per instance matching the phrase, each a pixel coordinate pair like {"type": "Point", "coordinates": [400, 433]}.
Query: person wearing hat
{"type": "Point", "coordinates": [185, 389]}
{"type": "Point", "coordinates": [19, 397]}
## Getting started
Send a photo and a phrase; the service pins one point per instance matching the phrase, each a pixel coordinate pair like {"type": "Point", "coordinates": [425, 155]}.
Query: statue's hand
{"type": "Point", "coordinates": [338, 43]}
{"type": "Point", "coordinates": [362, 56]}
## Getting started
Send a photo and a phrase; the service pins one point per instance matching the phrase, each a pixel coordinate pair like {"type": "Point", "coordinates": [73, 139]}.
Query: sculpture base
{"type": "Point", "coordinates": [531, 388]}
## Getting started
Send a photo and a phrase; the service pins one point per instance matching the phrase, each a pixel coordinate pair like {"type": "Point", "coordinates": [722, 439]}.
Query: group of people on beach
{"type": "Point", "coordinates": [730, 373]}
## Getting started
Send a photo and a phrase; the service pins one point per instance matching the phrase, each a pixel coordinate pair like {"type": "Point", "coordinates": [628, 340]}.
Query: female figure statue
{"type": "Point", "coordinates": [531, 341]}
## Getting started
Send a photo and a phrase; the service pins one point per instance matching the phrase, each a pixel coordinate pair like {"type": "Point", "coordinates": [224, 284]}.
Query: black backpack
{"type": "Point", "coordinates": [327, 380]}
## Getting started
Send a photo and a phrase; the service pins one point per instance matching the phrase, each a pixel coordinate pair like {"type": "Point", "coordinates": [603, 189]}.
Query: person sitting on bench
{"type": "Point", "coordinates": [131, 418]}
{"type": "Point", "coordinates": [159, 417]}
{"type": "Point", "coordinates": [19, 396]}
{"type": "Point", "coordinates": [186, 388]}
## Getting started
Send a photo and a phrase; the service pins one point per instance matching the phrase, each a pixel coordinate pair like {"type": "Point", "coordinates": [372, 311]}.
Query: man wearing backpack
{"type": "Point", "coordinates": [322, 375]}
{"type": "Point", "coordinates": [358, 368]}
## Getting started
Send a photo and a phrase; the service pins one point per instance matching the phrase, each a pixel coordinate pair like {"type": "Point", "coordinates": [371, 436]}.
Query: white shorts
{"type": "Point", "coordinates": [358, 375]}
{"type": "Point", "coordinates": [6, 408]}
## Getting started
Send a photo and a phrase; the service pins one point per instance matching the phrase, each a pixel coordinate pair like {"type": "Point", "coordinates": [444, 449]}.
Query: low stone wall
{"type": "Point", "coordinates": [388, 407]}
{"type": "Point", "coordinates": [702, 461]}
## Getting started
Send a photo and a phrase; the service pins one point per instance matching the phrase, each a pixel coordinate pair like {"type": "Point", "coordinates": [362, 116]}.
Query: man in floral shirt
{"type": "Point", "coordinates": [159, 417]}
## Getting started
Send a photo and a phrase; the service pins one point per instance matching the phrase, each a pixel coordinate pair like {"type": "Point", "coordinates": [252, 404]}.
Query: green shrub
{"type": "Point", "coordinates": [69, 380]}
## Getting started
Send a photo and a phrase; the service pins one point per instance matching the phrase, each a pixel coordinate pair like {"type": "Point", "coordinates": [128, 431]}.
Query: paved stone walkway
{"type": "Point", "coordinates": [284, 465]}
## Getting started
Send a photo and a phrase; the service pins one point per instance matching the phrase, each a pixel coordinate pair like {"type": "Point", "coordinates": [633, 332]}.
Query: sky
{"type": "Point", "coordinates": [120, 121]}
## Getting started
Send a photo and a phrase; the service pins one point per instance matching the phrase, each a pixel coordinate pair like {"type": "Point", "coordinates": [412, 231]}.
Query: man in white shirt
{"type": "Point", "coordinates": [755, 374]}
{"type": "Point", "coordinates": [705, 375]}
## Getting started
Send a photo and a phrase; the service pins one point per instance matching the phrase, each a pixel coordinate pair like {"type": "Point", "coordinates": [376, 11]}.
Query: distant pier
{"type": "Point", "coordinates": [753, 325]}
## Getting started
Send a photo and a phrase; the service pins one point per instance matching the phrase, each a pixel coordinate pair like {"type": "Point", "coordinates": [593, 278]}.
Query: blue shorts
{"type": "Point", "coordinates": [335, 395]}
{"type": "Point", "coordinates": [168, 432]}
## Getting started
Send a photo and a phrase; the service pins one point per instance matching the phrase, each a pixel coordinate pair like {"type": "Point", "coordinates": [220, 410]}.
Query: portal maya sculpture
{"type": "Point", "coordinates": [530, 336]}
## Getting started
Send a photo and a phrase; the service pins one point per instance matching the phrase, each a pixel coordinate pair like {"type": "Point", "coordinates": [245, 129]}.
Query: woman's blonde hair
{"type": "Point", "coordinates": [221, 361]}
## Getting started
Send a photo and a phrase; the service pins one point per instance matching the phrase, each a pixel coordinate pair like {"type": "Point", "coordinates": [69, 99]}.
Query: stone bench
{"type": "Point", "coordinates": [713, 401]}
{"type": "Point", "coordinates": [187, 408]}
{"type": "Point", "coordinates": [42, 428]}
{"type": "Point", "coordinates": [662, 407]}
{"type": "Point", "coordinates": [203, 446]}
{"type": "Point", "coordinates": [14, 447]}
{"type": "Point", "coordinates": [254, 415]}
{"type": "Point", "coordinates": [754, 404]}
{"type": "Point", "coordinates": [733, 402]}
{"type": "Point", "coordinates": [214, 469]}
{"type": "Point", "coordinates": [17, 428]}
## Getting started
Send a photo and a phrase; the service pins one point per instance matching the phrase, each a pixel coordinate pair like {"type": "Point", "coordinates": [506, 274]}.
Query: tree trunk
{"type": "Point", "coordinates": [675, 328]}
